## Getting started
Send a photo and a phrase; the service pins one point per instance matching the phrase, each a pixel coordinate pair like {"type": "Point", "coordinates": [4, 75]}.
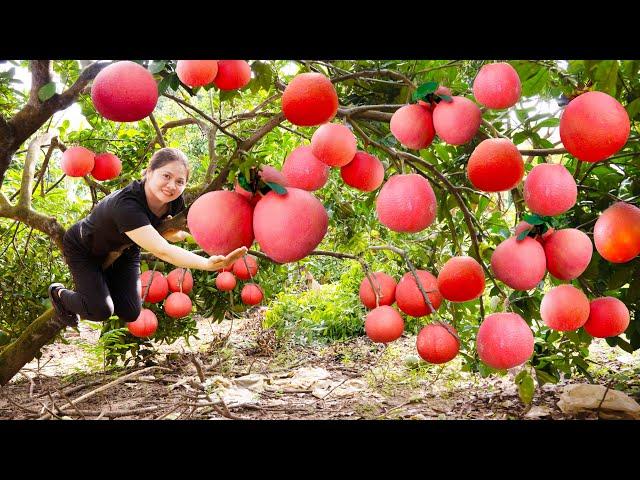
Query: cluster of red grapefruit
{"type": "Point", "coordinates": [593, 127]}
{"type": "Point", "coordinates": [289, 226]}
{"type": "Point", "coordinates": [244, 268]}
{"type": "Point", "coordinates": [80, 161]}
{"type": "Point", "coordinates": [154, 288]}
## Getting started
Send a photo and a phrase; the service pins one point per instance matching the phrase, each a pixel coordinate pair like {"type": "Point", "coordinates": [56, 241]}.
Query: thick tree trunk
{"type": "Point", "coordinates": [17, 354]}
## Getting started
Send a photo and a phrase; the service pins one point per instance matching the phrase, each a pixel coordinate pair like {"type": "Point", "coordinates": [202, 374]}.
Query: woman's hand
{"type": "Point", "coordinates": [216, 262]}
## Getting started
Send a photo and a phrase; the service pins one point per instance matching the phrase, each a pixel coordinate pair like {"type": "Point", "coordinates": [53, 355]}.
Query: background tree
{"type": "Point", "coordinates": [226, 133]}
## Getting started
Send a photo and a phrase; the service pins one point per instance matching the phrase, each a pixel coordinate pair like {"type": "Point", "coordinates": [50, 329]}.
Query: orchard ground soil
{"type": "Point", "coordinates": [238, 370]}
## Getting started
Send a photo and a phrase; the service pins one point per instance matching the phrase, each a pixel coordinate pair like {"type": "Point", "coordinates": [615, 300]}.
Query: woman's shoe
{"type": "Point", "coordinates": [69, 318]}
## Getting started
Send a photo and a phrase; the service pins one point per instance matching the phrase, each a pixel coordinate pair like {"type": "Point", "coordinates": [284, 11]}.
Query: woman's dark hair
{"type": "Point", "coordinates": [165, 156]}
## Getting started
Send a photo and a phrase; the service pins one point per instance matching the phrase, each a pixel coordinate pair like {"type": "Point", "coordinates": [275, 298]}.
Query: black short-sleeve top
{"type": "Point", "coordinates": [102, 231]}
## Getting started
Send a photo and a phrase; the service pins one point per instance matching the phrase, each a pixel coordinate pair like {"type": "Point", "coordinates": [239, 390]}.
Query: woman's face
{"type": "Point", "coordinates": [167, 182]}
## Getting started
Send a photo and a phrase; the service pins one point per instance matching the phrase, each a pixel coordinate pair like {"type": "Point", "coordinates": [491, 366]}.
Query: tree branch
{"type": "Point", "coordinates": [24, 201]}
{"type": "Point", "coordinates": [540, 152]}
{"type": "Point", "coordinates": [40, 76]}
{"type": "Point", "coordinates": [382, 72]}
{"type": "Point", "coordinates": [203, 115]}
{"type": "Point", "coordinates": [159, 136]}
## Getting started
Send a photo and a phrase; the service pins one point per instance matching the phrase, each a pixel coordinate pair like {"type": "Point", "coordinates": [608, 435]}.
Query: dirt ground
{"type": "Point", "coordinates": [237, 370]}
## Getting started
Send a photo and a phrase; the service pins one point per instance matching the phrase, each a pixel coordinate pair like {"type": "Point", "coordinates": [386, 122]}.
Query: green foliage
{"type": "Point", "coordinates": [331, 312]}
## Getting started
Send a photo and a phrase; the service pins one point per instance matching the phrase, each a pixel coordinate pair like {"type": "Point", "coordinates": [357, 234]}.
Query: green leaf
{"type": "Point", "coordinates": [424, 90]}
{"type": "Point", "coordinates": [446, 98]}
{"type": "Point", "coordinates": [533, 219]}
{"type": "Point", "coordinates": [535, 85]}
{"type": "Point", "coordinates": [47, 91]}
{"type": "Point", "coordinates": [621, 275]}
{"type": "Point", "coordinates": [174, 82]}
{"type": "Point", "coordinates": [279, 189]}
{"type": "Point", "coordinates": [633, 293]}
{"type": "Point", "coordinates": [164, 84]}
{"type": "Point", "coordinates": [633, 108]}
{"type": "Point", "coordinates": [520, 137]}
{"type": "Point", "coordinates": [244, 183]}
{"type": "Point", "coordinates": [606, 76]}
{"type": "Point", "coordinates": [626, 346]}
{"type": "Point", "coordinates": [545, 377]}
{"type": "Point", "coordinates": [526, 387]}
{"type": "Point", "coordinates": [226, 95]}
{"type": "Point", "coordinates": [157, 67]}
{"type": "Point", "coordinates": [522, 235]}
{"type": "Point", "coordinates": [548, 123]}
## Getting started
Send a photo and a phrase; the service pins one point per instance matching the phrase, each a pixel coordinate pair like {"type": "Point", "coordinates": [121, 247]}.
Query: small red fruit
{"type": "Point", "coordinates": [106, 167]}
{"type": "Point", "coordinates": [461, 279]}
{"type": "Point", "coordinates": [608, 317]}
{"type": "Point", "coordinates": [158, 290]}
{"type": "Point", "coordinates": [504, 340]}
{"type": "Point", "coordinates": [406, 203]}
{"type": "Point", "coordinates": [145, 325]}
{"type": "Point", "coordinates": [365, 172]}
{"type": "Point", "coordinates": [124, 92]}
{"type": "Point", "coordinates": [226, 281]}
{"type": "Point", "coordinates": [251, 294]}
{"type": "Point", "coordinates": [438, 343]}
{"type": "Point", "coordinates": [409, 297]}
{"type": "Point", "coordinates": [384, 284]}
{"type": "Point", "coordinates": [178, 305]}
{"type": "Point", "coordinates": [550, 189]}
{"type": "Point", "coordinates": [333, 144]}
{"type": "Point", "coordinates": [175, 280]}
{"type": "Point", "coordinates": [594, 126]}
{"type": "Point", "coordinates": [310, 99]}
{"type": "Point", "coordinates": [77, 161]}
{"type": "Point", "coordinates": [495, 165]}
{"type": "Point", "coordinates": [458, 121]}
{"type": "Point", "coordinates": [412, 125]}
{"type": "Point", "coordinates": [383, 324]}
{"type": "Point", "coordinates": [497, 86]}
{"type": "Point", "coordinates": [196, 73]}
{"type": "Point", "coordinates": [616, 233]}
{"type": "Point", "coordinates": [232, 74]}
{"type": "Point", "coordinates": [240, 268]}
{"type": "Point", "coordinates": [564, 308]}
{"type": "Point", "coordinates": [302, 169]}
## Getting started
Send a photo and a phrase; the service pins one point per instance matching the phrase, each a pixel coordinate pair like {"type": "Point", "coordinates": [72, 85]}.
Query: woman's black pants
{"type": "Point", "coordinates": [99, 294]}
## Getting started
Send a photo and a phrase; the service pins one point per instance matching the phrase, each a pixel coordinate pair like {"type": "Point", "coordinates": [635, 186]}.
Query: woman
{"type": "Point", "coordinates": [103, 249]}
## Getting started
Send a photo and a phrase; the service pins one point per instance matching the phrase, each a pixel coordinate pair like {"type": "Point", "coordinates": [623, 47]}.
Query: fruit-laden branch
{"type": "Point", "coordinates": [209, 118]}
{"type": "Point", "coordinates": [35, 113]}
{"type": "Point", "coordinates": [242, 149]}
{"type": "Point", "coordinates": [463, 207]}
{"type": "Point", "coordinates": [420, 286]}
{"type": "Point", "coordinates": [405, 256]}
{"type": "Point", "coordinates": [604, 162]}
{"type": "Point", "coordinates": [448, 185]}
{"type": "Point", "coordinates": [252, 113]}
{"type": "Point", "coordinates": [88, 180]}
{"type": "Point", "coordinates": [376, 73]}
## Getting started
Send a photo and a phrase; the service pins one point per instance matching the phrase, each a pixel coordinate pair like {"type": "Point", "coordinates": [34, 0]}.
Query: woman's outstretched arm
{"type": "Point", "coordinates": [149, 239]}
